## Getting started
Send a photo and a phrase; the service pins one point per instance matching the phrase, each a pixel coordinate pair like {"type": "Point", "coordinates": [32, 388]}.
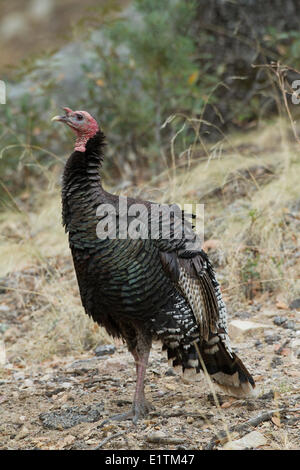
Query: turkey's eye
{"type": "Point", "coordinates": [79, 117]}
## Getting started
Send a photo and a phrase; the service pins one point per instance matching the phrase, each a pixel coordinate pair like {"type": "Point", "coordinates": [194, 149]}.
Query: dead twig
{"type": "Point", "coordinates": [176, 414]}
{"type": "Point", "coordinates": [280, 72]}
{"type": "Point", "coordinates": [108, 438]}
{"type": "Point", "coordinates": [244, 427]}
{"type": "Point", "coordinates": [164, 440]}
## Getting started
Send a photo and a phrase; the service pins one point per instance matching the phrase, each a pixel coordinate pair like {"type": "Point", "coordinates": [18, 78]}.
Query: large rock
{"type": "Point", "coordinates": [245, 328]}
{"type": "Point", "coordinates": [250, 441]}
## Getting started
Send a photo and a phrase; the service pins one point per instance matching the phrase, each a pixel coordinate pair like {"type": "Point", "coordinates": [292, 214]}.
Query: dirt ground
{"type": "Point", "coordinates": [64, 403]}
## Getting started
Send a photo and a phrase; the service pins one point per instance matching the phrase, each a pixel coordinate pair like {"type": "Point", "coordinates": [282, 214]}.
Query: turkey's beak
{"type": "Point", "coordinates": [60, 118]}
{"type": "Point", "coordinates": [63, 118]}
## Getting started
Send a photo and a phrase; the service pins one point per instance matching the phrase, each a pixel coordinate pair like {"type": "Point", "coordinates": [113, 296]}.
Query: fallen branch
{"type": "Point", "coordinates": [154, 439]}
{"type": "Point", "coordinates": [176, 414]}
{"type": "Point", "coordinates": [243, 428]}
{"type": "Point", "coordinates": [109, 438]}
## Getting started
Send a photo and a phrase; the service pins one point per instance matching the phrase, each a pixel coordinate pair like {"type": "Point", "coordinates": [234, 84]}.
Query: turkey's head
{"type": "Point", "coordinates": [82, 123]}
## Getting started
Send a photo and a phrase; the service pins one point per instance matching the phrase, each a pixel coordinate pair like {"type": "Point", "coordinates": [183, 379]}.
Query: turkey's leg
{"type": "Point", "coordinates": [140, 406]}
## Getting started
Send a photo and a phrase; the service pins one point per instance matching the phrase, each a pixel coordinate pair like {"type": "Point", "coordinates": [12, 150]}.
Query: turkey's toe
{"type": "Point", "coordinates": [141, 410]}
{"type": "Point", "coordinates": [118, 417]}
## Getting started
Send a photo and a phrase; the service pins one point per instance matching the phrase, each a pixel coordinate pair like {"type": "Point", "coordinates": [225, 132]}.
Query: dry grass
{"type": "Point", "coordinates": [252, 217]}
{"type": "Point", "coordinates": [254, 214]}
{"type": "Point", "coordinates": [38, 274]}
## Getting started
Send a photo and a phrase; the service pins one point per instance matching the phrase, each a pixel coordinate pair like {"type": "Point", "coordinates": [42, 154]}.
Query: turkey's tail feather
{"type": "Point", "coordinates": [224, 368]}
{"type": "Point", "coordinates": [228, 371]}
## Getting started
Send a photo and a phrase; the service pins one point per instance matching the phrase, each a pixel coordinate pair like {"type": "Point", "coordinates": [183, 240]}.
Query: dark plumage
{"type": "Point", "coordinates": [144, 289]}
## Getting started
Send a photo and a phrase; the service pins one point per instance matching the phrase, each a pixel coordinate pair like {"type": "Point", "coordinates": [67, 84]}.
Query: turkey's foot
{"type": "Point", "coordinates": [118, 417]}
{"type": "Point", "coordinates": [139, 410]}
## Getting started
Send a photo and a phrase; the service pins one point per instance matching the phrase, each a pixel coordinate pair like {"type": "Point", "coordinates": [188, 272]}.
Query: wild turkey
{"type": "Point", "coordinates": [144, 289]}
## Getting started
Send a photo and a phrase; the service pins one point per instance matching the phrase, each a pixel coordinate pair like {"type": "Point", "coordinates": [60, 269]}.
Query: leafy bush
{"type": "Point", "coordinates": [135, 72]}
{"type": "Point", "coordinates": [132, 74]}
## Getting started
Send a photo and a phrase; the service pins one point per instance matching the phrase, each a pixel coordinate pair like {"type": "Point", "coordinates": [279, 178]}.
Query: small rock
{"type": "Point", "coordinates": [243, 315]}
{"type": "Point", "coordinates": [276, 361]}
{"type": "Point", "coordinates": [170, 372]}
{"type": "Point", "coordinates": [22, 434]}
{"type": "Point", "coordinates": [91, 442]}
{"type": "Point", "coordinates": [3, 327]}
{"type": "Point", "coordinates": [45, 378]}
{"type": "Point", "coordinates": [271, 337]}
{"type": "Point", "coordinates": [295, 304]}
{"type": "Point", "coordinates": [104, 350]}
{"type": "Point", "coordinates": [4, 308]}
{"type": "Point", "coordinates": [290, 325]}
{"type": "Point", "coordinates": [19, 376]}
{"type": "Point", "coordinates": [269, 312]}
{"type": "Point", "coordinates": [84, 365]}
{"type": "Point", "coordinates": [11, 334]}
{"type": "Point", "coordinates": [121, 403]}
{"type": "Point", "coordinates": [66, 385]}
{"type": "Point", "coordinates": [281, 305]}
{"type": "Point", "coordinates": [244, 328]}
{"type": "Point", "coordinates": [113, 364]}
{"type": "Point", "coordinates": [250, 441]}
{"type": "Point", "coordinates": [156, 436]}
{"type": "Point", "coordinates": [27, 383]}
{"type": "Point", "coordinates": [268, 395]}
{"type": "Point", "coordinates": [279, 321]}
{"type": "Point", "coordinates": [295, 344]}
{"type": "Point", "coordinates": [54, 391]}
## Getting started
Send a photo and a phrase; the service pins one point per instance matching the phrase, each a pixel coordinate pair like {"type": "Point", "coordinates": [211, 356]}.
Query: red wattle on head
{"type": "Point", "coordinates": [82, 123]}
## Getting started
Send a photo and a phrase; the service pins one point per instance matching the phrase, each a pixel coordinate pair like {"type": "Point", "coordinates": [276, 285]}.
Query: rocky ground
{"type": "Point", "coordinates": [64, 403]}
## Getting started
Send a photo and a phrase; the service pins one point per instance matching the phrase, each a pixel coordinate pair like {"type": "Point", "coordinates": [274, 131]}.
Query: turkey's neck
{"type": "Point", "coordinates": [82, 190]}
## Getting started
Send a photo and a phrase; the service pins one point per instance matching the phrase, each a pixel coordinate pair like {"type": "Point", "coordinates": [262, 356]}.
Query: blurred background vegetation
{"type": "Point", "coordinates": [137, 65]}
{"type": "Point", "coordinates": [196, 108]}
